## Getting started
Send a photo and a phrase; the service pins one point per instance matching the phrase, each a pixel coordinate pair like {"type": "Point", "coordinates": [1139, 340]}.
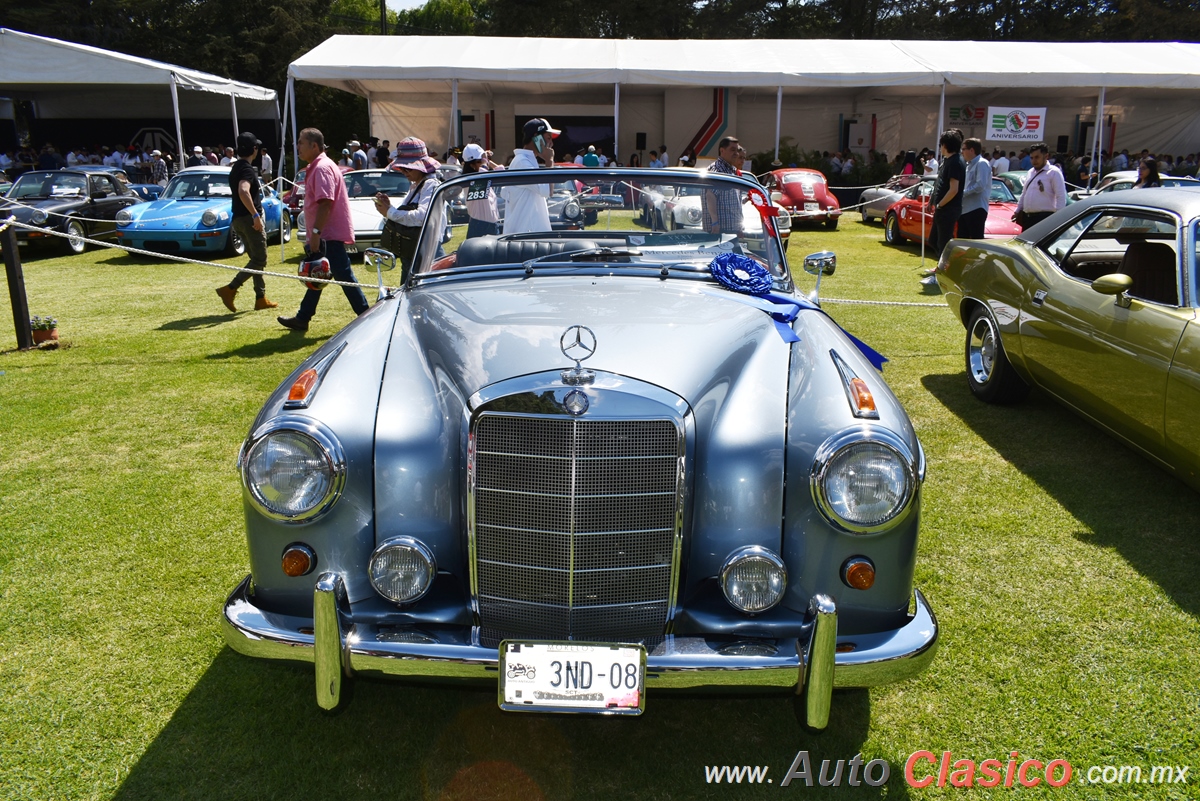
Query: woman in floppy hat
{"type": "Point", "coordinates": [412, 159]}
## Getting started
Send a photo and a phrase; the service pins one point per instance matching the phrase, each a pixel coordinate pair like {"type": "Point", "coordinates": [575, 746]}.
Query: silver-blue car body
{"type": "Point", "coordinates": [581, 442]}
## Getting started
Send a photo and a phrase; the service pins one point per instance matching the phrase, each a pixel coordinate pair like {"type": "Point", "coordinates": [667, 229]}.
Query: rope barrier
{"type": "Point", "coordinates": [883, 303]}
{"type": "Point", "coordinates": [183, 260]}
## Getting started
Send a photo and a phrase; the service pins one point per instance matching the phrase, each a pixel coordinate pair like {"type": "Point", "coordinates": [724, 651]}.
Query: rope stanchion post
{"type": "Point", "coordinates": [16, 286]}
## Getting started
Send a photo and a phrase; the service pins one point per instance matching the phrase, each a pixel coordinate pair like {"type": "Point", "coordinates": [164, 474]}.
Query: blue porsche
{"type": "Point", "coordinates": [194, 214]}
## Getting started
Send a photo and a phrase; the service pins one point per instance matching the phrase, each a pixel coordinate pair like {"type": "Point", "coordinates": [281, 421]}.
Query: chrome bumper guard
{"type": "Point", "coordinates": [340, 648]}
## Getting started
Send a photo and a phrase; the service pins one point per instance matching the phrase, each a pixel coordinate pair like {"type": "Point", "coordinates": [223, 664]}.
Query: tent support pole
{"type": "Point", "coordinates": [941, 121]}
{"type": "Point", "coordinates": [453, 140]}
{"type": "Point", "coordinates": [778, 119]}
{"type": "Point", "coordinates": [233, 108]}
{"type": "Point", "coordinates": [291, 94]}
{"type": "Point", "coordinates": [178, 124]}
{"type": "Point", "coordinates": [616, 121]}
{"type": "Point", "coordinates": [1098, 138]}
{"type": "Point", "coordinates": [281, 126]}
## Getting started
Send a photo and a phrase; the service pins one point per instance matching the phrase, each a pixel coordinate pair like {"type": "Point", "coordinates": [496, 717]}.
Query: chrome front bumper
{"type": "Point", "coordinates": [340, 648]}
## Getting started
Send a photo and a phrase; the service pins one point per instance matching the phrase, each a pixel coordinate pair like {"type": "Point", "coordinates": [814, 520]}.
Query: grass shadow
{"type": "Point", "coordinates": [288, 342]}
{"type": "Point", "coordinates": [251, 728]}
{"type": "Point", "coordinates": [198, 323]}
{"type": "Point", "coordinates": [1126, 502]}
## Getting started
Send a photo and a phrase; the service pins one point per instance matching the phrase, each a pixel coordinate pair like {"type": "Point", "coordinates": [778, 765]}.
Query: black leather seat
{"type": "Point", "coordinates": [1154, 270]}
{"type": "Point", "coordinates": [495, 250]}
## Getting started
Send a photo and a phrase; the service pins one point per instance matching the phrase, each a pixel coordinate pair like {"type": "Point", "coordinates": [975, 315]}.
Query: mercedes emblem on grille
{"type": "Point", "coordinates": [578, 343]}
{"type": "Point", "coordinates": [576, 402]}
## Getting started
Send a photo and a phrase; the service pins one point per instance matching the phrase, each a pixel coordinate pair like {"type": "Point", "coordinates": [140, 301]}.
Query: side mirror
{"type": "Point", "coordinates": [823, 263]}
{"type": "Point", "coordinates": [1114, 284]}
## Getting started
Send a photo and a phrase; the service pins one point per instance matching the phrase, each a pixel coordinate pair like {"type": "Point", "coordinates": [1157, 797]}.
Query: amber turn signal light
{"type": "Point", "coordinates": [859, 573]}
{"type": "Point", "coordinates": [863, 399]}
{"type": "Point", "coordinates": [298, 560]}
{"type": "Point", "coordinates": [303, 386]}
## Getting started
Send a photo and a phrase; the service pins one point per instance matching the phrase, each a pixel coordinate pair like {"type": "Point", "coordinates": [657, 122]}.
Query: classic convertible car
{"type": "Point", "coordinates": [911, 217]}
{"type": "Point", "coordinates": [875, 200]}
{"type": "Point", "coordinates": [73, 202]}
{"type": "Point", "coordinates": [584, 465]}
{"type": "Point", "coordinates": [195, 213]}
{"type": "Point", "coordinates": [1095, 305]}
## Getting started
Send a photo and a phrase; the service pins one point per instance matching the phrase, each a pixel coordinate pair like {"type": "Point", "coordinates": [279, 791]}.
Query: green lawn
{"type": "Point", "coordinates": [1058, 562]}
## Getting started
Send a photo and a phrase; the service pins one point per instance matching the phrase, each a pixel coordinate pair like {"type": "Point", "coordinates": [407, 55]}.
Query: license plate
{"type": "Point", "coordinates": [812, 206]}
{"type": "Point", "coordinates": [575, 677]}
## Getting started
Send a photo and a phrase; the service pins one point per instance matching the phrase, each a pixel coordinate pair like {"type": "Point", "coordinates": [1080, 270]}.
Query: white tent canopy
{"type": "Point", "coordinates": [403, 76]}
{"type": "Point", "coordinates": [40, 68]}
{"type": "Point", "coordinates": [366, 64]}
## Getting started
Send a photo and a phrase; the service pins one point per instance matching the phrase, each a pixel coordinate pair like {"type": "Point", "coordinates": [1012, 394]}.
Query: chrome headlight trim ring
{"type": "Point", "coordinates": [852, 437]}
{"type": "Point", "coordinates": [331, 451]}
{"type": "Point", "coordinates": [421, 550]}
{"type": "Point", "coordinates": [209, 218]}
{"type": "Point", "coordinates": [757, 552]}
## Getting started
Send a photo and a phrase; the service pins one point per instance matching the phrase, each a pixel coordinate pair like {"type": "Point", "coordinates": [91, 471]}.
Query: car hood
{"type": "Point", "coordinates": [695, 340]}
{"type": "Point", "coordinates": [179, 209]}
{"type": "Point", "coordinates": [23, 209]}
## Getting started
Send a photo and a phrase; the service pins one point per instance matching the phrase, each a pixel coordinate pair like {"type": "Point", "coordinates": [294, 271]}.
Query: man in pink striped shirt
{"type": "Point", "coordinates": [329, 228]}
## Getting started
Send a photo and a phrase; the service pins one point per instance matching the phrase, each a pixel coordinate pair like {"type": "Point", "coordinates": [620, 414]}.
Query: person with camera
{"type": "Point", "coordinates": [412, 159]}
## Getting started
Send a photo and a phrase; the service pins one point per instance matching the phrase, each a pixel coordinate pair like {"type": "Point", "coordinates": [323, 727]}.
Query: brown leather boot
{"type": "Point", "coordinates": [227, 293]}
{"type": "Point", "coordinates": [263, 303]}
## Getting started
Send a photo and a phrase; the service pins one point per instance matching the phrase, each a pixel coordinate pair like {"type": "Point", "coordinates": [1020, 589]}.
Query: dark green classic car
{"type": "Point", "coordinates": [1096, 306]}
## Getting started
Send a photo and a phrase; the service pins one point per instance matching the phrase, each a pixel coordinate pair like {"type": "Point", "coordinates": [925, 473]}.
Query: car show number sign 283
{"type": "Point", "coordinates": [478, 190]}
{"type": "Point", "coordinates": [572, 677]}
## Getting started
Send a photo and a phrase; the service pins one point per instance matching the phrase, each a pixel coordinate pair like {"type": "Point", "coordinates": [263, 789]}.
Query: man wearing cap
{"type": "Point", "coordinates": [247, 223]}
{"type": "Point", "coordinates": [158, 168]}
{"type": "Point", "coordinates": [525, 204]}
{"type": "Point", "coordinates": [358, 156]}
{"type": "Point", "coordinates": [197, 158]}
{"type": "Point", "coordinates": [330, 229]}
{"type": "Point", "coordinates": [482, 211]}
{"type": "Point", "coordinates": [590, 159]}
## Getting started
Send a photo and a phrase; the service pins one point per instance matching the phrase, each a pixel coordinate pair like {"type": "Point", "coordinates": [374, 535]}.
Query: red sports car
{"type": "Point", "coordinates": [911, 215]}
{"type": "Point", "coordinates": [805, 194]}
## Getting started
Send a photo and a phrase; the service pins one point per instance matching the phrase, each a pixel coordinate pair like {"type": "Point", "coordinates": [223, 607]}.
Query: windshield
{"type": "Point", "coordinates": [49, 184]}
{"type": "Point", "coordinates": [576, 217]}
{"type": "Point", "coordinates": [368, 184]}
{"type": "Point", "coordinates": [1000, 193]}
{"type": "Point", "coordinates": [198, 185]}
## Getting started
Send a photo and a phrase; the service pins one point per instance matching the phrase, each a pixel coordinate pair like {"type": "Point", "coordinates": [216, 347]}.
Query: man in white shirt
{"type": "Point", "coordinates": [525, 205]}
{"type": "Point", "coordinates": [1045, 189]}
{"type": "Point", "coordinates": [999, 163]}
{"type": "Point", "coordinates": [1121, 161]}
{"type": "Point", "coordinates": [663, 157]}
{"type": "Point", "coordinates": [601, 157]}
{"type": "Point", "coordinates": [228, 158]}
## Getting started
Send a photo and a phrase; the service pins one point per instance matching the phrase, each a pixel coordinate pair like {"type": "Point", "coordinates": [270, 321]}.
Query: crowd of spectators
{"type": "Point", "coordinates": [141, 165]}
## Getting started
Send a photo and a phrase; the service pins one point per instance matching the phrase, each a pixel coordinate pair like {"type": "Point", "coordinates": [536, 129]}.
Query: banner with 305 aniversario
{"type": "Point", "coordinates": [1016, 124]}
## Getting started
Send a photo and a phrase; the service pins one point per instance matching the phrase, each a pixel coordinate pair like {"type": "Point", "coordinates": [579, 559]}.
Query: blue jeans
{"type": "Point", "coordinates": [339, 265]}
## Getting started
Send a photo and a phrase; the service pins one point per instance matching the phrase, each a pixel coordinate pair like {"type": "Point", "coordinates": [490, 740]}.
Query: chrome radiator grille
{"type": "Point", "coordinates": [574, 525]}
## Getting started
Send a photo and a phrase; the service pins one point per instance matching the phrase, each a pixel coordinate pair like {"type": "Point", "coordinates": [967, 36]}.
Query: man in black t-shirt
{"type": "Point", "coordinates": [947, 192]}
{"type": "Point", "coordinates": [247, 223]}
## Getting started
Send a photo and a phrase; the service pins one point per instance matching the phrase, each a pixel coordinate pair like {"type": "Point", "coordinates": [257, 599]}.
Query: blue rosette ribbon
{"type": "Point", "coordinates": [752, 280]}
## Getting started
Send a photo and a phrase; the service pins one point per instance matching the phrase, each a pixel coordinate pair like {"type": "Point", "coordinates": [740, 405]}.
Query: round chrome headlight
{"type": "Point", "coordinates": [39, 216]}
{"type": "Point", "coordinates": [570, 210]}
{"type": "Point", "coordinates": [124, 216]}
{"type": "Point", "coordinates": [294, 469]}
{"type": "Point", "coordinates": [209, 218]}
{"type": "Point", "coordinates": [753, 579]}
{"type": "Point", "coordinates": [694, 215]}
{"type": "Point", "coordinates": [863, 480]}
{"type": "Point", "coordinates": [300, 222]}
{"type": "Point", "coordinates": [402, 569]}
